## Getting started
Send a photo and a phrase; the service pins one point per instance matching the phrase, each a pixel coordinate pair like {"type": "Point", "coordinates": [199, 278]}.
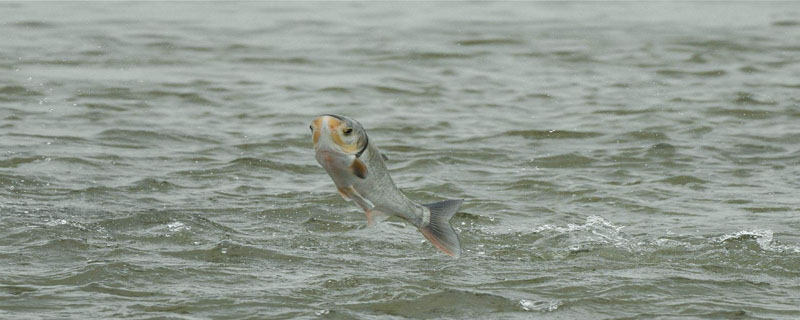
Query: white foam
{"type": "Point", "coordinates": [56, 222]}
{"type": "Point", "coordinates": [599, 230]}
{"type": "Point", "coordinates": [544, 306]}
{"type": "Point", "coordinates": [177, 226]}
{"type": "Point", "coordinates": [592, 222]}
{"type": "Point", "coordinates": [764, 238]}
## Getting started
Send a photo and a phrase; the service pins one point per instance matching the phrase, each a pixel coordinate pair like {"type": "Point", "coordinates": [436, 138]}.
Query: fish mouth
{"type": "Point", "coordinates": [326, 135]}
{"type": "Point", "coordinates": [326, 145]}
{"type": "Point", "coordinates": [328, 152]}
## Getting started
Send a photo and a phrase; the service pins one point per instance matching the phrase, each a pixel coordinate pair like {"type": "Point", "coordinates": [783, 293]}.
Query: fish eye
{"type": "Point", "coordinates": [347, 131]}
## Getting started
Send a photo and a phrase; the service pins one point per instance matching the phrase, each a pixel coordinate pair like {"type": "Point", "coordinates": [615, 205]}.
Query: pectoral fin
{"type": "Point", "coordinates": [359, 168]}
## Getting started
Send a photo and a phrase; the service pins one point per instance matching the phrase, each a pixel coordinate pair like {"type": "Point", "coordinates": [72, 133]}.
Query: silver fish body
{"type": "Point", "coordinates": [357, 168]}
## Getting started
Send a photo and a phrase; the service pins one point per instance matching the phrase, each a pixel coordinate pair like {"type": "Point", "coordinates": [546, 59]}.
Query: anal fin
{"type": "Point", "coordinates": [374, 216]}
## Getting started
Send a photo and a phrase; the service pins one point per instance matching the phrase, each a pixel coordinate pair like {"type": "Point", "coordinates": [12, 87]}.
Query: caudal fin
{"type": "Point", "coordinates": [439, 231]}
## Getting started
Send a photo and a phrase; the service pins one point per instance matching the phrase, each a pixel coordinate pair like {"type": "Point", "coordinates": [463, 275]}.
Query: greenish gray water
{"type": "Point", "coordinates": [617, 160]}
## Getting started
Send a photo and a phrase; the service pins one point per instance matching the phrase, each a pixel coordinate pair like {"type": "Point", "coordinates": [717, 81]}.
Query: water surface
{"type": "Point", "coordinates": [616, 160]}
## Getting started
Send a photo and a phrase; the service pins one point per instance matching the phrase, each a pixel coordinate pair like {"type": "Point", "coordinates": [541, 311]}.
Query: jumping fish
{"type": "Point", "coordinates": [357, 168]}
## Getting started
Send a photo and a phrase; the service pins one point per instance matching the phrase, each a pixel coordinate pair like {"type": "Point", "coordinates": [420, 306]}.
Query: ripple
{"type": "Point", "coordinates": [108, 272]}
{"type": "Point", "coordinates": [95, 287]}
{"type": "Point", "coordinates": [105, 107]}
{"type": "Point", "coordinates": [277, 60]}
{"type": "Point", "coordinates": [33, 24]}
{"type": "Point", "coordinates": [742, 113]}
{"type": "Point", "coordinates": [682, 180]}
{"type": "Point", "coordinates": [429, 56]}
{"type": "Point", "coordinates": [152, 185]}
{"type": "Point", "coordinates": [253, 163]}
{"type": "Point", "coordinates": [717, 44]}
{"type": "Point", "coordinates": [489, 42]}
{"type": "Point", "coordinates": [149, 137]}
{"type": "Point", "coordinates": [744, 98]}
{"type": "Point", "coordinates": [229, 252]}
{"type": "Point", "coordinates": [570, 160]}
{"type": "Point", "coordinates": [152, 223]}
{"type": "Point", "coordinates": [341, 90]}
{"type": "Point", "coordinates": [321, 225]}
{"type": "Point", "coordinates": [17, 290]}
{"type": "Point", "coordinates": [424, 92]}
{"type": "Point", "coordinates": [16, 161]}
{"type": "Point", "coordinates": [626, 112]}
{"type": "Point", "coordinates": [769, 209]}
{"type": "Point", "coordinates": [10, 92]}
{"type": "Point", "coordinates": [115, 93]}
{"type": "Point", "coordinates": [786, 23]}
{"type": "Point", "coordinates": [552, 134]}
{"type": "Point", "coordinates": [188, 97]}
{"type": "Point", "coordinates": [639, 135]}
{"type": "Point", "coordinates": [697, 58]}
{"type": "Point", "coordinates": [449, 303]}
{"type": "Point", "coordinates": [662, 150]}
{"type": "Point", "coordinates": [684, 73]}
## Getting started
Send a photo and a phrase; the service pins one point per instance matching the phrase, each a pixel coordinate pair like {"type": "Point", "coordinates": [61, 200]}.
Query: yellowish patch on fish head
{"type": "Point", "coordinates": [315, 132]}
{"type": "Point", "coordinates": [340, 132]}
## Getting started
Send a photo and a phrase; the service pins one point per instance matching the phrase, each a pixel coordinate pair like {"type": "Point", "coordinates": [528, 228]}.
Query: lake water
{"type": "Point", "coordinates": [617, 160]}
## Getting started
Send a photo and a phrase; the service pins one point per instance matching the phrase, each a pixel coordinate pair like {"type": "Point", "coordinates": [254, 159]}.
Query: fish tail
{"type": "Point", "coordinates": [439, 231]}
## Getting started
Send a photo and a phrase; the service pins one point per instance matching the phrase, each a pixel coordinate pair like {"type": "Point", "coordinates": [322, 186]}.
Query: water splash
{"type": "Point", "coordinates": [764, 239]}
{"type": "Point", "coordinates": [595, 230]}
{"type": "Point", "coordinates": [56, 222]}
{"type": "Point", "coordinates": [593, 223]}
{"type": "Point", "coordinates": [543, 306]}
{"type": "Point", "coordinates": [177, 226]}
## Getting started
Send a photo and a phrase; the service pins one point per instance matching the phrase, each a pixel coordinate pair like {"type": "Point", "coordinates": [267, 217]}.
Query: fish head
{"type": "Point", "coordinates": [338, 134]}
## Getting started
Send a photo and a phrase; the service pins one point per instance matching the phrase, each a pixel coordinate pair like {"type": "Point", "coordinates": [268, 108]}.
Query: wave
{"type": "Point", "coordinates": [763, 237]}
